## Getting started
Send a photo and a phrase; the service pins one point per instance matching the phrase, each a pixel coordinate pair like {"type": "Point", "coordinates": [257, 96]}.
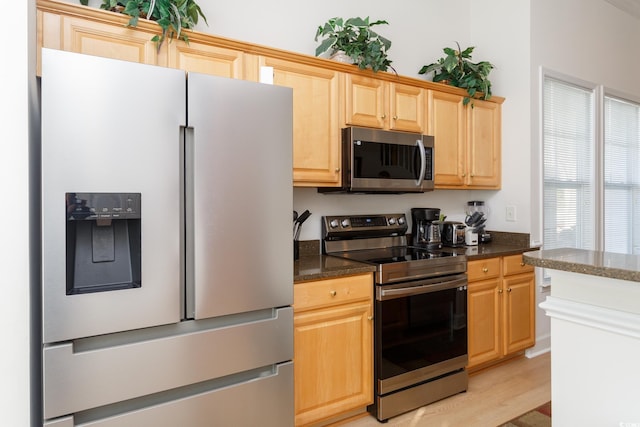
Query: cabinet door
{"type": "Point", "coordinates": [483, 306]}
{"type": "Point", "coordinates": [206, 59]}
{"type": "Point", "coordinates": [406, 108]}
{"type": "Point", "coordinates": [316, 129]}
{"type": "Point", "coordinates": [519, 312]}
{"type": "Point", "coordinates": [81, 35]}
{"type": "Point", "coordinates": [374, 103]}
{"type": "Point", "coordinates": [446, 124]}
{"type": "Point", "coordinates": [332, 361]}
{"type": "Point", "coordinates": [484, 142]}
{"type": "Point", "coordinates": [365, 102]}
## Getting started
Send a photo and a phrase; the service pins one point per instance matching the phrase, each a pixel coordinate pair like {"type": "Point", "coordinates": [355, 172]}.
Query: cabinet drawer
{"type": "Point", "coordinates": [513, 264]}
{"type": "Point", "coordinates": [483, 269]}
{"type": "Point", "coordinates": [323, 293]}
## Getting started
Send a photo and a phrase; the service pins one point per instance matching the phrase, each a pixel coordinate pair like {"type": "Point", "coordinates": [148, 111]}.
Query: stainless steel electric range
{"type": "Point", "coordinates": [420, 330]}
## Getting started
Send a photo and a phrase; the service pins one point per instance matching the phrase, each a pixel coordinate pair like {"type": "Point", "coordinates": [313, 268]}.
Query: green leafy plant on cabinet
{"type": "Point", "coordinates": [171, 15]}
{"type": "Point", "coordinates": [457, 69]}
{"type": "Point", "coordinates": [357, 40]}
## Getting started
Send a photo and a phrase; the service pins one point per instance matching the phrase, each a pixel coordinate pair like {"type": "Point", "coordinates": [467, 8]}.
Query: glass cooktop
{"type": "Point", "coordinates": [397, 254]}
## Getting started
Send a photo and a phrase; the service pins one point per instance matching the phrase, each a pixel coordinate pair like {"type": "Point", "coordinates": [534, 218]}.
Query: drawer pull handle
{"type": "Point", "coordinates": [332, 293]}
{"type": "Point", "coordinates": [485, 269]}
{"type": "Point", "coordinates": [499, 291]}
{"type": "Point", "coordinates": [522, 264]}
{"type": "Point", "coordinates": [508, 289]}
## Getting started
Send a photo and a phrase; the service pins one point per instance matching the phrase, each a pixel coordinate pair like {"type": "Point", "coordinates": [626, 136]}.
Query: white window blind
{"type": "Point", "coordinates": [569, 167]}
{"type": "Point", "coordinates": [621, 176]}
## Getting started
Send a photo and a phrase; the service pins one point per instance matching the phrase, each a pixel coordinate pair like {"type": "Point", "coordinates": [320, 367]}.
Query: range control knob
{"type": "Point", "coordinates": [334, 223]}
{"type": "Point", "coordinates": [401, 220]}
{"type": "Point", "coordinates": [345, 223]}
{"type": "Point", "coordinates": [392, 221]}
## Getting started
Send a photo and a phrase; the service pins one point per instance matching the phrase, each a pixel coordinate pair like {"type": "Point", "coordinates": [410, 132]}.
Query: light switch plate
{"type": "Point", "coordinates": [511, 213]}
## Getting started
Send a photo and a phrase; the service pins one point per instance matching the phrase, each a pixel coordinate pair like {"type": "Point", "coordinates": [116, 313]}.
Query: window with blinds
{"type": "Point", "coordinates": [573, 182]}
{"type": "Point", "coordinates": [621, 176]}
{"type": "Point", "coordinates": [569, 167]}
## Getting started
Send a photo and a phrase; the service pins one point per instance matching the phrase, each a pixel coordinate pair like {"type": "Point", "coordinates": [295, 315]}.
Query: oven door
{"type": "Point", "coordinates": [421, 331]}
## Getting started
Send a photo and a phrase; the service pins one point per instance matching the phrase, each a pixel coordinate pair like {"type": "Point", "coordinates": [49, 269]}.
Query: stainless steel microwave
{"type": "Point", "coordinates": [379, 161]}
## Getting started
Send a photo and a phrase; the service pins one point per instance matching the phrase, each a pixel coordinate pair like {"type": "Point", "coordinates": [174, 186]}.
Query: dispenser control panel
{"type": "Point", "coordinates": [92, 206]}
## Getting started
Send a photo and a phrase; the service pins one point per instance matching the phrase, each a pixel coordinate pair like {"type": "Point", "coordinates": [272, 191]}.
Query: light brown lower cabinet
{"type": "Point", "coordinates": [500, 309]}
{"type": "Point", "coordinates": [333, 342]}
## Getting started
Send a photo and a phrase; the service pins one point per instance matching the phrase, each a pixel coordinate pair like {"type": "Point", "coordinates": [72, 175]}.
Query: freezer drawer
{"type": "Point", "coordinates": [80, 376]}
{"type": "Point", "coordinates": [265, 401]}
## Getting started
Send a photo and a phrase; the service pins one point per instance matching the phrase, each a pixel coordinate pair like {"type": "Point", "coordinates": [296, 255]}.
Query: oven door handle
{"type": "Point", "coordinates": [421, 288]}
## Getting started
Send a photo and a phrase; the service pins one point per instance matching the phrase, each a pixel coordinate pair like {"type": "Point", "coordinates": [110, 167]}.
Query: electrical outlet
{"type": "Point", "coordinates": [511, 213]}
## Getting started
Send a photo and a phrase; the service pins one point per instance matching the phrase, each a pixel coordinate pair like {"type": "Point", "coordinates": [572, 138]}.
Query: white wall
{"type": "Point", "coordinates": [587, 39]}
{"type": "Point", "coordinates": [14, 251]}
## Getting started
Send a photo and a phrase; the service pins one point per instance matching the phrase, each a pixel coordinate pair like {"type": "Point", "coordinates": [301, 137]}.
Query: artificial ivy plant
{"type": "Point", "coordinates": [357, 40]}
{"type": "Point", "coordinates": [457, 69]}
{"type": "Point", "coordinates": [171, 15]}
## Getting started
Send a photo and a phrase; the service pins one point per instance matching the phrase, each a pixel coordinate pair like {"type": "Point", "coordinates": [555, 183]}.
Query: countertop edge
{"type": "Point", "coordinates": [318, 267]}
{"type": "Point", "coordinates": [593, 263]}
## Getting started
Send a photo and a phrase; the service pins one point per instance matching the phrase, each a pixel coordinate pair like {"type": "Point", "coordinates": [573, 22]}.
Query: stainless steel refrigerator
{"type": "Point", "coordinates": [167, 276]}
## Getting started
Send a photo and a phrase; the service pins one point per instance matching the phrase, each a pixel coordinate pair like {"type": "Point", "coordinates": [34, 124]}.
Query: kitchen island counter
{"type": "Point", "coordinates": [594, 308]}
{"type": "Point", "coordinates": [593, 263]}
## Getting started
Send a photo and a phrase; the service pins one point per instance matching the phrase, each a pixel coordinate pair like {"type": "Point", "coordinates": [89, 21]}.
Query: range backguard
{"type": "Point", "coordinates": [103, 242]}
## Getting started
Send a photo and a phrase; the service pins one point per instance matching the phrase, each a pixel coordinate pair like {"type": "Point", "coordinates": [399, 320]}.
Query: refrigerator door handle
{"type": "Point", "coordinates": [188, 229]}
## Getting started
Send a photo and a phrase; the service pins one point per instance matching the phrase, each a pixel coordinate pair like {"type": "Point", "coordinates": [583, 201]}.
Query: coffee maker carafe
{"type": "Point", "coordinates": [426, 228]}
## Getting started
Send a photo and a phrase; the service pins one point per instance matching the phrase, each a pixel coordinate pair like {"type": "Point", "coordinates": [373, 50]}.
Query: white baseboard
{"type": "Point", "coordinates": [543, 345]}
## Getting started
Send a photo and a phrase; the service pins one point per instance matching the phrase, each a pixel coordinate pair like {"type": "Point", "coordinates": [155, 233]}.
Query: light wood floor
{"type": "Point", "coordinates": [495, 396]}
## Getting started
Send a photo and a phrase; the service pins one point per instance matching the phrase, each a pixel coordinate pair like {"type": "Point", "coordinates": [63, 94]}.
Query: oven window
{"type": "Point", "coordinates": [420, 330]}
{"type": "Point", "coordinates": [388, 161]}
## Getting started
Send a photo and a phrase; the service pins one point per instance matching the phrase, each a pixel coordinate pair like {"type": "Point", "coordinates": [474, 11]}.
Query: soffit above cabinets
{"type": "Point", "coordinates": [632, 7]}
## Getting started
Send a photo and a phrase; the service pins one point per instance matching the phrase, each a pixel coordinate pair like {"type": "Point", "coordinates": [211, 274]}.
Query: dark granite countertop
{"type": "Point", "coordinates": [491, 250]}
{"type": "Point", "coordinates": [314, 266]}
{"type": "Point", "coordinates": [594, 263]}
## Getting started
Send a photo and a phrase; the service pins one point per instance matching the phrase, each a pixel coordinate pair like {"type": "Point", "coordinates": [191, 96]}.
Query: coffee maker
{"type": "Point", "coordinates": [426, 228]}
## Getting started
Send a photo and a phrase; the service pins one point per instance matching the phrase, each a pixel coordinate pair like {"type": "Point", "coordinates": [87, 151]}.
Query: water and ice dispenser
{"type": "Point", "coordinates": [103, 242]}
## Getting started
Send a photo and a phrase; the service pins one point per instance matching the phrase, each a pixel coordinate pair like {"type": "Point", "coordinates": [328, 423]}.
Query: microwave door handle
{"type": "Point", "coordinates": [423, 161]}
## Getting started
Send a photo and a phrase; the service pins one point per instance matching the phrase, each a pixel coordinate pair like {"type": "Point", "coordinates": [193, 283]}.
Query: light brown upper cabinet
{"type": "Point", "coordinates": [109, 40]}
{"type": "Point", "coordinates": [370, 102]}
{"type": "Point", "coordinates": [316, 128]}
{"type": "Point", "coordinates": [467, 141]}
{"type": "Point", "coordinates": [206, 58]}
{"type": "Point", "coordinates": [327, 95]}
